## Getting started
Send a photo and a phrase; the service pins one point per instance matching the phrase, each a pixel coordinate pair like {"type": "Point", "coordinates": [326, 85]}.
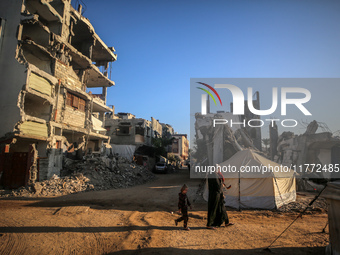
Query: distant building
{"type": "Point", "coordinates": [126, 129]}
{"type": "Point", "coordinates": [168, 130]}
{"type": "Point", "coordinates": [180, 146]}
{"type": "Point", "coordinates": [131, 137]}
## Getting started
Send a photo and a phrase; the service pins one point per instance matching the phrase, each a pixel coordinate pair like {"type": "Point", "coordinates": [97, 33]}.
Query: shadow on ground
{"type": "Point", "coordinates": [192, 251]}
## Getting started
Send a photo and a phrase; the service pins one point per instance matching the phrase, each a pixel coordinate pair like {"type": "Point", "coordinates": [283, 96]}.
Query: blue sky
{"type": "Point", "coordinates": [161, 44]}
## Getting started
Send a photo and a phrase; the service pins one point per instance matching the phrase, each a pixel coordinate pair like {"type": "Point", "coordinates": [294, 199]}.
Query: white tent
{"type": "Point", "coordinates": [262, 190]}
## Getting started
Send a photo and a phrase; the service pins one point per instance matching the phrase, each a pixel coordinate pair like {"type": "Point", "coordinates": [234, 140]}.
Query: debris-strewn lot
{"type": "Point", "coordinates": [139, 220]}
{"type": "Point", "coordinates": [89, 174]}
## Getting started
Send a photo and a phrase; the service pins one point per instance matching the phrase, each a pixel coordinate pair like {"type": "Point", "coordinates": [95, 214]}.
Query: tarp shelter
{"type": "Point", "coordinates": [125, 151]}
{"type": "Point", "coordinates": [261, 190]}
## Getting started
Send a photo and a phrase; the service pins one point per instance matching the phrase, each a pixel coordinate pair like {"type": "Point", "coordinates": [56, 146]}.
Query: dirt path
{"type": "Point", "coordinates": [138, 221]}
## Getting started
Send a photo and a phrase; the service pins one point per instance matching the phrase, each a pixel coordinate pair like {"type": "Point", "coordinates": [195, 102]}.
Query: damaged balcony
{"type": "Point", "coordinates": [97, 126]}
{"type": "Point", "coordinates": [99, 110]}
{"type": "Point", "coordinates": [33, 29]}
{"type": "Point", "coordinates": [97, 79]}
{"type": "Point", "coordinates": [40, 83]}
{"type": "Point", "coordinates": [44, 9]}
{"type": "Point", "coordinates": [88, 42]}
{"type": "Point", "coordinates": [36, 104]}
{"type": "Point", "coordinates": [33, 129]}
{"type": "Point", "coordinates": [99, 103]}
{"type": "Point", "coordinates": [37, 55]}
{"type": "Point", "coordinates": [79, 61]}
{"type": "Point", "coordinates": [36, 108]}
{"type": "Point", "coordinates": [41, 58]}
{"type": "Point", "coordinates": [49, 14]}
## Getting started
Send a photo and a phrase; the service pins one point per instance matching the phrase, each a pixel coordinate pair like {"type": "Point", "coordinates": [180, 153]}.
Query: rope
{"type": "Point", "coordinates": [300, 215]}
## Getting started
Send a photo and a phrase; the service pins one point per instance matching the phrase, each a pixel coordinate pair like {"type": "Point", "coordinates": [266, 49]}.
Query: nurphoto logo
{"type": "Point", "coordinates": [239, 105]}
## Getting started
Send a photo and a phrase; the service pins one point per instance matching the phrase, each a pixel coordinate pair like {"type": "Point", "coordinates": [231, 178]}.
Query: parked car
{"type": "Point", "coordinates": [161, 167]}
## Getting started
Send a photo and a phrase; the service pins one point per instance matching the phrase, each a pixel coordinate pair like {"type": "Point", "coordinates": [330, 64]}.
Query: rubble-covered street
{"type": "Point", "coordinates": [138, 220]}
{"type": "Point", "coordinates": [89, 174]}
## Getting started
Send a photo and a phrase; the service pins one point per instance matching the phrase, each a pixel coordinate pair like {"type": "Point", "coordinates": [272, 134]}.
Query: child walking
{"type": "Point", "coordinates": [183, 203]}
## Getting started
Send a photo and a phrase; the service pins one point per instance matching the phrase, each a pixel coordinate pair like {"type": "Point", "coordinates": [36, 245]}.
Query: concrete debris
{"type": "Point", "coordinates": [320, 205]}
{"type": "Point", "coordinates": [106, 173]}
{"type": "Point", "coordinates": [220, 143]}
{"type": "Point", "coordinates": [309, 148]}
{"type": "Point", "coordinates": [84, 175]}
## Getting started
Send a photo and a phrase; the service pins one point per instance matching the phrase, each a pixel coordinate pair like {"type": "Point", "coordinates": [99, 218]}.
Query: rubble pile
{"type": "Point", "coordinates": [53, 187]}
{"type": "Point", "coordinates": [301, 203]}
{"type": "Point", "coordinates": [105, 173]}
{"type": "Point", "coordinates": [89, 174]}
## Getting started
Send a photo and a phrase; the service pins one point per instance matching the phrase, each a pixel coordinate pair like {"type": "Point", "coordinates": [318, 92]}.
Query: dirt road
{"type": "Point", "coordinates": [138, 221]}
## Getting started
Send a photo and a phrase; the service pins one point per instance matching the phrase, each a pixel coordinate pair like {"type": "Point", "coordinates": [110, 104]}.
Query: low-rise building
{"type": "Point", "coordinates": [126, 129]}
{"type": "Point", "coordinates": [132, 137]}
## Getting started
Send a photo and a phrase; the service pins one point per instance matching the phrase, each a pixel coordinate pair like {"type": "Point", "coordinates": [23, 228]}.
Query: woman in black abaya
{"type": "Point", "coordinates": [217, 213]}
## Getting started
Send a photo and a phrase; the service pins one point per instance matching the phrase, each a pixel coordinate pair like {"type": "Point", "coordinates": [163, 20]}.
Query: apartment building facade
{"type": "Point", "coordinates": [50, 56]}
{"type": "Point", "coordinates": [126, 129]}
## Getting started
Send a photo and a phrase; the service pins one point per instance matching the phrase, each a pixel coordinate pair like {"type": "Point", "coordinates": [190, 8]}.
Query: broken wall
{"type": "Point", "coordinates": [74, 117]}
{"type": "Point", "coordinates": [12, 73]}
{"type": "Point", "coordinates": [157, 129]}
{"type": "Point", "coordinates": [68, 76]}
{"type": "Point", "coordinates": [308, 148]}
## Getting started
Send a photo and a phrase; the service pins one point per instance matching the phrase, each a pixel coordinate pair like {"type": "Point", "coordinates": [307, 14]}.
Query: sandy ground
{"type": "Point", "coordinates": [138, 220]}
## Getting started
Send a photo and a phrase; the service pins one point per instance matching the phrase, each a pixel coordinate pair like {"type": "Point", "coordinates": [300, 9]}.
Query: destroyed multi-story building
{"type": "Point", "coordinates": [50, 55]}
{"type": "Point", "coordinates": [311, 147]}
